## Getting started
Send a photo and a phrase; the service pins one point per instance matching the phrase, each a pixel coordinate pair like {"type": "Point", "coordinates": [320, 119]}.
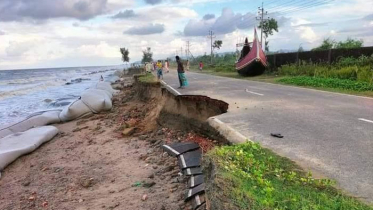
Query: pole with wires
{"type": "Point", "coordinates": [187, 49]}
{"type": "Point", "coordinates": [261, 12]}
{"type": "Point", "coordinates": [211, 36]}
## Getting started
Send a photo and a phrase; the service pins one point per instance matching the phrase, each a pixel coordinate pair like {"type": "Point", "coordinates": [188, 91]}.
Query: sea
{"type": "Point", "coordinates": [24, 92]}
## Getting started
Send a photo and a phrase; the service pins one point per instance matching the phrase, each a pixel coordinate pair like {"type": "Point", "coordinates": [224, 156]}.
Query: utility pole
{"type": "Point", "coordinates": [181, 52]}
{"type": "Point", "coordinates": [211, 36]}
{"type": "Point", "coordinates": [187, 49]}
{"type": "Point", "coordinates": [261, 12]}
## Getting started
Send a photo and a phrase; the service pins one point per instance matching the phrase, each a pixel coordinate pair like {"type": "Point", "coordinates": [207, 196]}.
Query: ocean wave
{"type": "Point", "coordinates": [30, 80]}
{"type": "Point", "coordinates": [28, 89]}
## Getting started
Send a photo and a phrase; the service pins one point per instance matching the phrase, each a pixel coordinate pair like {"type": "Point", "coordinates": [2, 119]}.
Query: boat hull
{"type": "Point", "coordinates": [255, 68]}
{"type": "Point", "coordinates": [254, 62]}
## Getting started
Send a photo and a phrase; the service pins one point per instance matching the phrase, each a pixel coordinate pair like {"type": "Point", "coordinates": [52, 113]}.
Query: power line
{"type": "Point", "coordinates": [303, 6]}
{"type": "Point", "coordinates": [293, 2]}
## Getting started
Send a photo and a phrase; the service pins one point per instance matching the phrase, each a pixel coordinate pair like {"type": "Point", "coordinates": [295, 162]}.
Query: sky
{"type": "Point", "coordinates": [68, 33]}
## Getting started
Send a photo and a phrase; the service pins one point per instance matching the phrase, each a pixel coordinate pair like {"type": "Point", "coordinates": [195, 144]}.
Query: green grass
{"type": "Point", "coordinates": [248, 176]}
{"type": "Point", "coordinates": [342, 84]}
{"type": "Point", "coordinates": [147, 78]}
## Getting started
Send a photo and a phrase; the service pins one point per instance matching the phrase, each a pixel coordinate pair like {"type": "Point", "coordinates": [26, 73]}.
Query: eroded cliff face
{"type": "Point", "coordinates": [184, 112]}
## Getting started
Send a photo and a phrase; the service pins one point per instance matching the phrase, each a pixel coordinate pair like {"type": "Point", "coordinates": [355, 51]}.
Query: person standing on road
{"type": "Point", "coordinates": [181, 73]}
{"type": "Point", "coordinates": [159, 70]}
{"type": "Point", "coordinates": [200, 65]}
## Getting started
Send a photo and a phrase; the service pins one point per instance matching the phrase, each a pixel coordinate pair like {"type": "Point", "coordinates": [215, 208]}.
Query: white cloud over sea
{"type": "Point", "coordinates": [44, 33]}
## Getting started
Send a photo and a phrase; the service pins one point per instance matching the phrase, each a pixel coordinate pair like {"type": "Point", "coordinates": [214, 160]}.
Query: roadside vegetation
{"type": "Point", "coordinates": [352, 74]}
{"type": "Point", "coordinates": [147, 78]}
{"type": "Point", "coordinates": [347, 75]}
{"type": "Point", "coordinates": [334, 83]}
{"type": "Point", "coordinates": [251, 177]}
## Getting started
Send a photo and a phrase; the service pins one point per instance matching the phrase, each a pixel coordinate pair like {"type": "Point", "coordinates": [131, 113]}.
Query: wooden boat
{"type": "Point", "coordinates": [252, 61]}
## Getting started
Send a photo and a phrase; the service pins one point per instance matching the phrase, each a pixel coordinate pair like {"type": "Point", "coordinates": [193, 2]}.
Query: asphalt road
{"type": "Point", "coordinates": [328, 133]}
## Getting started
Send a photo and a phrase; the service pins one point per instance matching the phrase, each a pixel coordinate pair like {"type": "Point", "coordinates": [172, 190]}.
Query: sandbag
{"type": "Point", "coordinates": [93, 100]}
{"type": "Point", "coordinates": [75, 110]}
{"type": "Point", "coordinates": [18, 144]}
{"type": "Point", "coordinates": [96, 100]}
{"type": "Point", "coordinates": [35, 120]}
{"type": "Point", "coordinates": [105, 86]}
{"type": "Point", "coordinates": [5, 132]}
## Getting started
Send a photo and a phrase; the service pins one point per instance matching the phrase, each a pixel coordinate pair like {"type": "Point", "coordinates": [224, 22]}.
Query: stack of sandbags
{"type": "Point", "coordinates": [22, 137]}
{"type": "Point", "coordinates": [17, 144]}
{"type": "Point", "coordinates": [34, 120]}
{"type": "Point", "coordinates": [93, 100]}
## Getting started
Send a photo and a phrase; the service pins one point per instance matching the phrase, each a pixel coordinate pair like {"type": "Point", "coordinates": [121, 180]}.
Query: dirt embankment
{"type": "Point", "coordinates": [184, 112]}
{"type": "Point", "coordinates": [113, 160]}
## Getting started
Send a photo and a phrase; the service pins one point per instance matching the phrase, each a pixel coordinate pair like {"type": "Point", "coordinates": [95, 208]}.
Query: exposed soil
{"type": "Point", "coordinates": [92, 164]}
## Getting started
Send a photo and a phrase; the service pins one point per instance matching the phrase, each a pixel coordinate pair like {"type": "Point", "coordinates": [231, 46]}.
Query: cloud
{"type": "Point", "coordinates": [312, 24]}
{"type": "Point", "coordinates": [365, 33]}
{"type": "Point", "coordinates": [357, 31]}
{"type": "Point", "coordinates": [153, 1]}
{"type": "Point", "coordinates": [2, 32]}
{"type": "Point", "coordinates": [124, 14]}
{"type": "Point", "coordinates": [146, 30]}
{"type": "Point", "coordinates": [208, 16]}
{"type": "Point", "coordinates": [19, 10]}
{"type": "Point", "coordinates": [349, 30]}
{"type": "Point", "coordinates": [227, 22]}
{"type": "Point", "coordinates": [102, 49]}
{"type": "Point", "coordinates": [16, 49]}
{"type": "Point", "coordinates": [307, 33]}
{"type": "Point", "coordinates": [165, 14]}
{"type": "Point", "coordinates": [368, 17]}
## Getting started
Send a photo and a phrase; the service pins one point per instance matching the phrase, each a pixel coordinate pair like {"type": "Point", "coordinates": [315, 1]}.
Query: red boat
{"type": "Point", "coordinates": [252, 61]}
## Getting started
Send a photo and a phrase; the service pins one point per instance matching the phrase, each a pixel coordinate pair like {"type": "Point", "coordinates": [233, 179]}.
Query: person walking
{"type": "Point", "coordinates": [181, 73]}
{"type": "Point", "coordinates": [159, 70]}
{"type": "Point", "coordinates": [166, 66]}
{"type": "Point", "coordinates": [200, 65]}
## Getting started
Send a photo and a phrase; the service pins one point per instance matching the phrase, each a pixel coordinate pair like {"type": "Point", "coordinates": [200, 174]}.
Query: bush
{"type": "Point", "coordinates": [365, 74]}
{"type": "Point", "coordinates": [357, 72]}
{"type": "Point", "coordinates": [327, 83]}
{"type": "Point", "coordinates": [303, 70]}
{"type": "Point", "coordinates": [349, 72]}
{"type": "Point", "coordinates": [350, 61]}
